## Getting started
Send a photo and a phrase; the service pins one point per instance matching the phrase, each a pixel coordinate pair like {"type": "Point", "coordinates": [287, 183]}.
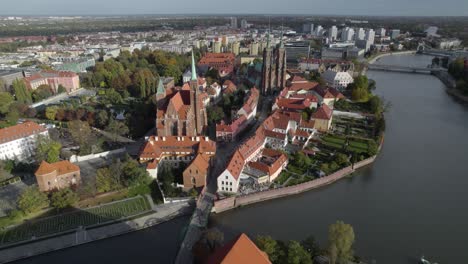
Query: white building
{"type": "Point", "coordinates": [381, 32]}
{"type": "Point", "coordinates": [361, 34]}
{"type": "Point", "coordinates": [370, 36]}
{"type": "Point", "coordinates": [319, 31]}
{"type": "Point", "coordinates": [394, 33]}
{"type": "Point", "coordinates": [347, 34]}
{"type": "Point", "coordinates": [333, 33]}
{"type": "Point", "coordinates": [337, 80]}
{"type": "Point", "coordinates": [233, 22]}
{"type": "Point", "coordinates": [244, 24]}
{"type": "Point", "coordinates": [19, 142]}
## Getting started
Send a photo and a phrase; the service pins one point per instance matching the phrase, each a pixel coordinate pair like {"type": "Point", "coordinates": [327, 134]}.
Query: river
{"type": "Point", "coordinates": [411, 201]}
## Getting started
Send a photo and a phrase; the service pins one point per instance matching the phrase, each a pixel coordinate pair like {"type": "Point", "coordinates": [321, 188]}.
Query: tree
{"type": "Point", "coordinates": [61, 89]}
{"type": "Point", "coordinates": [47, 149]}
{"type": "Point", "coordinates": [360, 89]}
{"type": "Point", "coordinates": [63, 198]}
{"type": "Point", "coordinates": [341, 236]}
{"type": "Point", "coordinates": [42, 92]}
{"type": "Point", "coordinates": [311, 246]}
{"type": "Point", "coordinates": [105, 181]}
{"type": "Point", "coordinates": [32, 200]}
{"type": "Point", "coordinates": [51, 112]}
{"type": "Point", "coordinates": [457, 68]}
{"type": "Point", "coordinates": [376, 105]}
{"type": "Point", "coordinates": [12, 116]}
{"type": "Point", "coordinates": [116, 128]}
{"type": "Point", "coordinates": [215, 114]}
{"type": "Point", "coordinates": [270, 246]}
{"type": "Point", "coordinates": [297, 254]}
{"type": "Point", "coordinates": [22, 93]}
{"type": "Point", "coordinates": [341, 159]}
{"type": "Point", "coordinates": [113, 96]}
{"type": "Point", "coordinates": [301, 160]}
{"type": "Point", "coordinates": [81, 133]}
{"type": "Point", "coordinates": [133, 174]}
{"type": "Point", "coordinates": [101, 118]}
{"type": "Point", "coordinates": [6, 99]}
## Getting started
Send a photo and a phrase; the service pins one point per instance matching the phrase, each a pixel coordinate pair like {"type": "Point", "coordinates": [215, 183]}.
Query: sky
{"type": "Point", "coordinates": [308, 7]}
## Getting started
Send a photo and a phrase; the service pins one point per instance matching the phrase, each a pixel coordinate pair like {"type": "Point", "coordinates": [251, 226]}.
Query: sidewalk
{"type": "Point", "coordinates": [162, 214]}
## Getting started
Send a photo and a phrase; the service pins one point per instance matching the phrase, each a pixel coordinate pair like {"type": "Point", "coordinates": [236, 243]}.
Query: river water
{"type": "Point", "coordinates": [411, 201]}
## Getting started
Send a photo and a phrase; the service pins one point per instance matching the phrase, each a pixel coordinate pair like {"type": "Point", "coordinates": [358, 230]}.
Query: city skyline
{"type": "Point", "coordinates": [303, 7]}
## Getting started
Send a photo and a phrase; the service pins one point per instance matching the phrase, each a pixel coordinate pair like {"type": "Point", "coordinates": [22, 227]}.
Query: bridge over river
{"type": "Point", "coordinates": [405, 69]}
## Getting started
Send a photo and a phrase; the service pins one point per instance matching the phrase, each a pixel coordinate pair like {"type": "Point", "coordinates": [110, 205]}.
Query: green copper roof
{"type": "Point", "coordinates": [194, 69]}
{"type": "Point", "coordinates": [160, 89]}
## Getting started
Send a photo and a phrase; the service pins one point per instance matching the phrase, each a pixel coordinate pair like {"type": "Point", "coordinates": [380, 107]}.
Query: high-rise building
{"type": "Point", "coordinates": [319, 31]}
{"type": "Point", "coordinates": [381, 32]}
{"type": "Point", "coordinates": [254, 49]}
{"type": "Point", "coordinates": [333, 33]}
{"type": "Point", "coordinates": [217, 47]}
{"type": "Point", "coordinates": [347, 34]}
{"type": "Point", "coordinates": [274, 68]}
{"type": "Point", "coordinates": [233, 22]}
{"type": "Point", "coordinates": [370, 36]}
{"type": "Point", "coordinates": [244, 24]}
{"type": "Point", "coordinates": [394, 33]}
{"type": "Point", "coordinates": [235, 48]}
{"type": "Point", "coordinates": [308, 28]}
{"type": "Point", "coordinates": [361, 34]}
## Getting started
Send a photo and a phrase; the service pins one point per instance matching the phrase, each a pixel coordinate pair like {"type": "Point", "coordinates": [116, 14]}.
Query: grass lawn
{"type": "Point", "coordinates": [103, 199]}
{"type": "Point", "coordinates": [283, 177]}
{"type": "Point", "coordinates": [334, 139]}
{"type": "Point", "coordinates": [357, 144]}
{"type": "Point", "coordinates": [72, 220]}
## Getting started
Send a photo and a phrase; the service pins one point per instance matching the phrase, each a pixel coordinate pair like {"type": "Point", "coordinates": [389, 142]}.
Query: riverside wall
{"type": "Point", "coordinates": [233, 202]}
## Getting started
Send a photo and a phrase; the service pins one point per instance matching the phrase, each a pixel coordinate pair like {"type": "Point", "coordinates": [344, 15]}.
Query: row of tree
{"type": "Point", "coordinates": [458, 71]}
{"type": "Point", "coordinates": [339, 251]}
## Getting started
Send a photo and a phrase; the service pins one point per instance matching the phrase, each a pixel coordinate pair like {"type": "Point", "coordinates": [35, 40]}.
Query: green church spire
{"type": "Point", "coordinates": [160, 89]}
{"type": "Point", "coordinates": [194, 69]}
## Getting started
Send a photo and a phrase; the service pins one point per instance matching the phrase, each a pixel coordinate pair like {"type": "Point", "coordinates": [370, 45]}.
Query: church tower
{"type": "Point", "coordinates": [195, 102]}
{"type": "Point", "coordinates": [266, 69]}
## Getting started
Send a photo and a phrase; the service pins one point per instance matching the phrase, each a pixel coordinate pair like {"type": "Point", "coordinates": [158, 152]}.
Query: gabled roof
{"type": "Point", "coordinates": [239, 251]}
{"type": "Point", "coordinates": [323, 112]}
{"type": "Point", "coordinates": [201, 162]}
{"type": "Point", "coordinates": [307, 86]}
{"type": "Point", "coordinates": [60, 167]}
{"type": "Point", "coordinates": [236, 164]}
{"type": "Point", "coordinates": [25, 129]}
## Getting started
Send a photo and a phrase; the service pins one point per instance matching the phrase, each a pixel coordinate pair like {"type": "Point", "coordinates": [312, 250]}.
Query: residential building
{"type": "Point", "coordinates": [370, 36]}
{"type": "Point", "coordinates": [347, 34]}
{"type": "Point", "coordinates": [338, 80]}
{"type": "Point", "coordinates": [216, 47]}
{"type": "Point", "coordinates": [253, 49]}
{"type": "Point", "coordinates": [394, 34]}
{"type": "Point", "coordinates": [319, 31]}
{"type": "Point", "coordinates": [233, 22]}
{"type": "Point", "coordinates": [181, 112]}
{"type": "Point", "coordinates": [223, 62]}
{"type": "Point", "coordinates": [19, 142]}
{"type": "Point", "coordinates": [69, 80]}
{"type": "Point", "coordinates": [308, 28]}
{"type": "Point", "coordinates": [57, 175]}
{"type": "Point", "coordinates": [323, 118]}
{"type": "Point", "coordinates": [381, 32]}
{"type": "Point", "coordinates": [239, 250]}
{"type": "Point", "coordinates": [8, 77]}
{"type": "Point", "coordinates": [333, 33]}
{"type": "Point", "coordinates": [244, 24]}
{"type": "Point", "coordinates": [267, 167]}
{"type": "Point", "coordinates": [274, 68]}
{"type": "Point", "coordinates": [361, 34]}
{"type": "Point", "coordinates": [178, 151]}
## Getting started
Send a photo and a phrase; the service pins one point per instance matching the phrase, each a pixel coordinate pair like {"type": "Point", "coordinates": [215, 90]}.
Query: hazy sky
{"type": "Point", "coordinates": [338, 7]}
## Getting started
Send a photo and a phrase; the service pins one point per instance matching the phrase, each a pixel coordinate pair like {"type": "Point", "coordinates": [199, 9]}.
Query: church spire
{"type": "Point", "coordinates": [160, 89]}
{"type": "Point", "coordinates": [194, 69]}
{"type": "Point", "coordinates": [281, 37]}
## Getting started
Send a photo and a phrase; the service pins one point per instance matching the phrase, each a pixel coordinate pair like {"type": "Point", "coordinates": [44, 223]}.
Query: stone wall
{"type": "Point", "coordinates": [233, 202]}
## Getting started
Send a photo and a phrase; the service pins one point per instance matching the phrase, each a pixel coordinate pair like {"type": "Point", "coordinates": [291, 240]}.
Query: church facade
{"type": "Point", "coordinates": [180, 112]}
{"type": "Point", "coordinates": [274, 68]}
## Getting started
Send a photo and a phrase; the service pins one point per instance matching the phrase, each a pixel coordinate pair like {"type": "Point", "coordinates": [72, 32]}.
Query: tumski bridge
{"type": "Point", "coordinates": [404, 69]}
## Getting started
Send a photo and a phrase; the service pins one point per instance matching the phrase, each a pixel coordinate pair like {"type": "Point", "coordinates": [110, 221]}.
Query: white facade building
{"type": "Point", "coordinates": [337, 80]}
{"type": "Point", "coordinates": [361, 34]}
{"type": "Point", "coordinates": [370, 36]}
{"type": "Point", "coordinates": [19, 142]}
{"type": "Point", "coordinates": [381, 32]}
{"type": "Point", "coordinates": [333, 33]}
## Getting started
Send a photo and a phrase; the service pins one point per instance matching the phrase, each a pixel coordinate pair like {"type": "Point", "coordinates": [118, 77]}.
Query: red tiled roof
{"type": "Point", "coordinates": [293, 103]}
{"type": "Point", "coordinates": [20, 131]}
{"type": "Point", "coordinates": [239, 251]}
{"type": "Point", "coordinates": [307, 86]}
{"type": "Point", "coordinates": [156, 147]}
{"type": "Point", "coordinates": [298, 79]}
{"type": "Point", "coordinates": [61, 167]}
{"type": "Point", "coordinates": [323, 112]}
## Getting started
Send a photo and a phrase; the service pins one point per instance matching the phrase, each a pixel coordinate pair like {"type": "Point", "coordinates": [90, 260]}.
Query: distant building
{"type": "Point", "coordinates": [253, 49]}
{"type": "Point", "coordinates": [381, 32]}
{"type": "Point", "coordinates": [361, 34]}
{"type": "Point", "coordinates": [274, 68]}
{"type": "Point", "coordinates": [223, 62]}
{"type": "Point", "coordinates": [308, 28]}
{"type": "Point", "coordinates": [370, 36]}
{"type": "Point", "coordinates": [233, 22]}
{"type": "Point", "coordinates": [244, 24]}
{"type": "Point", "coordinates": [235, 48]}
{"type": "Point", "coordinates": [78, 66]}
{"type": "Point", "coordinates": [69, 80]}
{"type": "Point", "coordinates": [57, 175]}
{"type": "Point", "coordinates": [347, 34]}
{"type": "Point", "coordinates": [394, 33]}
{"type": "Point", "coordinates": [319, 31]}
{"type": "Point", "coordinates": [217, 47]}
{"type": "Point", "coordinates": [19, 142]}
{"type": "Point", "coordinates": [333, 33]}
{"type": "Point", "coordinates": [449, 43]}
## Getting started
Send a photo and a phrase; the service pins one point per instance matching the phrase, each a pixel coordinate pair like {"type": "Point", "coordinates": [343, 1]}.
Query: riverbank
{"type": "Point", "coordinates": [161, 214]}
{"type": "Point", "coordinates": [450, 85]}
{"type": "Point", "coordinates": [374, 59]}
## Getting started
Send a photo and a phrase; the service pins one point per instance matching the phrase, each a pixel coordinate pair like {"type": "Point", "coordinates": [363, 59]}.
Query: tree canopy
{"type": "Point", "coordinates": [32, 200]}
{"type": "Point", "coordinates": [341, 237]}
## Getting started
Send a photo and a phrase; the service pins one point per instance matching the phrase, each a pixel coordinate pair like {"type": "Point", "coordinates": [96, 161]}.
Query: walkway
{"type": "Point", "coordinates": [162, 214]}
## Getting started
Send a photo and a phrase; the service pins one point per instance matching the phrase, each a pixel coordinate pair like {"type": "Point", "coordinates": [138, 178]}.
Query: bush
{"type": "Point", "coordinates": [63, 198]}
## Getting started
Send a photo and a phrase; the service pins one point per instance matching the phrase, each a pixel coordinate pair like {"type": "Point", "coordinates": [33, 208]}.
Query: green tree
{"type": "Point", "coordinates": [297, 254]}
{"type": "Point", "coordinates": [270, 246]}
{"type": "Point", "coordinates": [81, 133]}
{"type": "Point", "coordinates": [22, 93]}
{"type": "Point", "coordinates": [457, 68]}
{"type": "Point", "coordinates": [376, 105]}
{"type": "Point", "coordinates": [32, 200]}
{"type": "Point", "coordinates": [63, 198]}
{"type": "Point", "coordinates": [47, 149]}
{"type": "Point", "coordinates": [215, 114]}
{"type": "Point", "coordinates": [311, 246]}
{"type": "Point", "coordinates": [102, 118]}
{"type": "Point", "coordinates": [341, 236]}
{"type": "Point", "coordinates": [213, 238]}
{"type": "Point", "coordinates": [51, 112]}
{"type": "Point", "coordinates": [133, 174]}
{"type": "Point", "coordinates": [113, 96]}
{"type": "Point", "coordinates": [105, 181]}
{"type": "Point", "coordinates": [117, 128]}
{"type": "Point", "coordinates": [341, 159]}
{"type": "Point", "coordinates": [61, 89]}
{"type": "Point", "coordinates": [12, 116]}
{"type": "Point", "coordinates": [42, 92]}
{"type": "Point", "coordinates": [6, 99]}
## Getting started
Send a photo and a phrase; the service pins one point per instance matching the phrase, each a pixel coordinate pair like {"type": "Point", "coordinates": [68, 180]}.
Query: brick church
{"type": "Point", "coordinates": [180, 112]}
{"type": "Point", "coordinates": [274, 68]}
